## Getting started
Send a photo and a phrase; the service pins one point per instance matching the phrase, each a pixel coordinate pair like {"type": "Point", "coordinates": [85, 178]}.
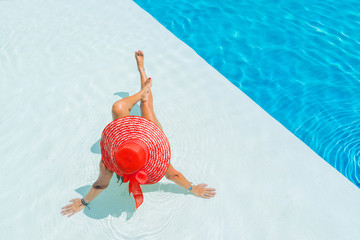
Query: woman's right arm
{"type": "Point", "coordinates": [101, 183]}
{"type": "Point", "coordinates": [199, 190]}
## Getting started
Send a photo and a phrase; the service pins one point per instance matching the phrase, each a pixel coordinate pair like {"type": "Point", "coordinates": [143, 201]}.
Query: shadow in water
{"type": "Point", "coordinates": [115, 200]}
{"type": "Point", "coordinates": [122, 94]}
{"type": "Point", "coordinates": [135, 111]}
{"type": "Point", "coordinates": [95, 148]}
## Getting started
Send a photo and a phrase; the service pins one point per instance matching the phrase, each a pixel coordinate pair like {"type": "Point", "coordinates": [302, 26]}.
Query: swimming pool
{"type": "Point", "coordinates": [297, 59]}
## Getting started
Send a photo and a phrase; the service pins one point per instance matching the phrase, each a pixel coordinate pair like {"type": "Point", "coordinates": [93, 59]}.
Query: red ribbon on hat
{"type": "Point", "coordinates": [136, 179]}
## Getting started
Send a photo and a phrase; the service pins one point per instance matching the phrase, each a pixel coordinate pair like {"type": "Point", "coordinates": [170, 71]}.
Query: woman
{"type": "Point", "coordinates": [115, 155]}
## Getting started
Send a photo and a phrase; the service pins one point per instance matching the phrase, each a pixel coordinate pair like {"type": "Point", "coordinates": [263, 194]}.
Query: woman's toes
{"type": "Point", "coordinates": [148, 82]}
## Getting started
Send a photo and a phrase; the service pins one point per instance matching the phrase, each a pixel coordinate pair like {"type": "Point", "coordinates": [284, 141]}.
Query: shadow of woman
{"type": "Point", "coordinates": [115, 200]}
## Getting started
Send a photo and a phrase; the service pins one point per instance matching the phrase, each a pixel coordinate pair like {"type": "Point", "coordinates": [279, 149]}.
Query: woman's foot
{"type": "Point", "coordinates": [139, 56]}
{"type": "Point", "coordinates": [145, 90]}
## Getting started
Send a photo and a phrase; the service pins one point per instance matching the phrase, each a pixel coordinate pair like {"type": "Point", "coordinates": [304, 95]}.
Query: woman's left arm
{"type": "Point", "coordinates": [199, 190]}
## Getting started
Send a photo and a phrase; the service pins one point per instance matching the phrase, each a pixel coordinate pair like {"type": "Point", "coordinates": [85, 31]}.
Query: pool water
{"type": "Point", "coordinates": [297, 59]}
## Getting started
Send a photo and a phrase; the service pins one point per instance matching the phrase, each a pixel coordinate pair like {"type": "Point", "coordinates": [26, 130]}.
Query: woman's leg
{"type": "Point", "coordinates": [146, 106]}
{"type": "Point", "coordinates": [122, 107]}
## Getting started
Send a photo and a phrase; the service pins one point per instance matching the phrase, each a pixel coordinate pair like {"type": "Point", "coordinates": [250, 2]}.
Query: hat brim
{"type": "Point", "coordinates": [139, 128]}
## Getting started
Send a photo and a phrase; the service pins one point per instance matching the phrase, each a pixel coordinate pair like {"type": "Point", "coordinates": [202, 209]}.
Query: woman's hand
{"type": "Point", "coordinates": [201, 191]}
{"type": "Point", "coordinates": [73, 207]}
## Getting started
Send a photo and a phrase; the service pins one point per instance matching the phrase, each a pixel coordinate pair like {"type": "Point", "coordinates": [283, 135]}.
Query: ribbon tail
{"type": "Point", "coordinates": [135, 189]}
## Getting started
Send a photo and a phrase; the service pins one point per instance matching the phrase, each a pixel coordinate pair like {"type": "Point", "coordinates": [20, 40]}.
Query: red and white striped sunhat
{"type": "Point", "coordinates": [136, 149]}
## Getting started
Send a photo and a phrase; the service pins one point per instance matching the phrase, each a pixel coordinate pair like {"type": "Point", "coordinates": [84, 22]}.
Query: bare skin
{"type": "Point", "coordinates": [121, 109]}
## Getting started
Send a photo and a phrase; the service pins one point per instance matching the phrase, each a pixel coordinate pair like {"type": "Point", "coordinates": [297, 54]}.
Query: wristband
{"type": "Point", "coordinates": [191, 187]}
{"type": "Point", "coordinates": [84, 203]}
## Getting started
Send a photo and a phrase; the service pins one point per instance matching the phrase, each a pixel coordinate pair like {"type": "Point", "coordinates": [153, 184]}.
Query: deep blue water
{"type": "Point", "coordinates": [299, 60]}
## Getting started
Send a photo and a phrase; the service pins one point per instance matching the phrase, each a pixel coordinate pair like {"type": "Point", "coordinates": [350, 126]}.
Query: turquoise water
{"type": "Point", "coordinates": [299, 60]}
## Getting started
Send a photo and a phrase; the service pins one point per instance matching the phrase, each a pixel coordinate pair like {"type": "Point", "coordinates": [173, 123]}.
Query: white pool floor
{"type": "Point", "coordinates": [63, 64]}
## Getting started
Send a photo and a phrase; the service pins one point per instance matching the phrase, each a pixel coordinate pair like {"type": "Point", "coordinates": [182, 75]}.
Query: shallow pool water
{"type": "Point", "coordinates": [297, 59]}
{"type": "Point", "coordinates": [62, 66]}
